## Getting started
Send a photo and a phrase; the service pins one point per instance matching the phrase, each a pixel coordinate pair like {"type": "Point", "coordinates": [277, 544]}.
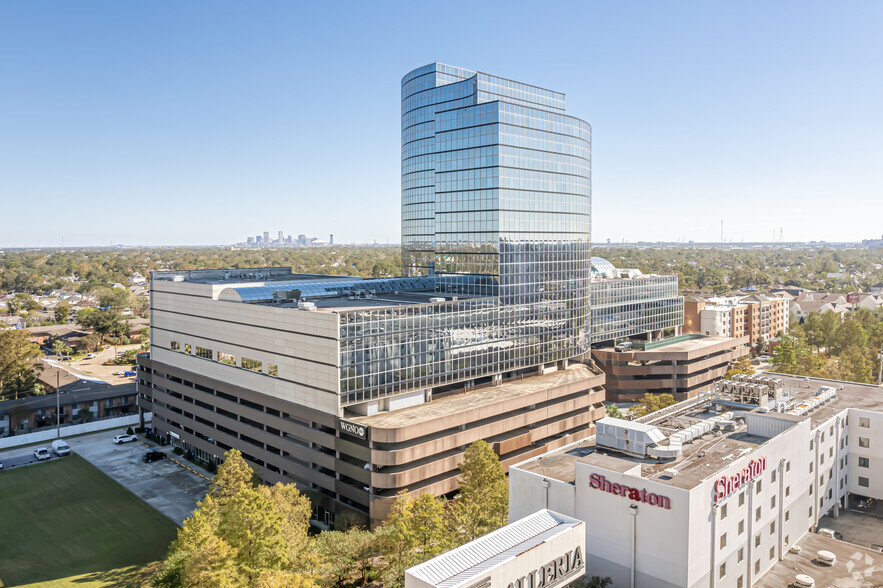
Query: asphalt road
{"type": "Point", "coordinates": [23, 460]}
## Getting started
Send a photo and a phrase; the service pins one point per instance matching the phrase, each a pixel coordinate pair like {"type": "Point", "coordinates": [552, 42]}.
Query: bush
{"type": "Point", "coordinates": [177, 451]}
{"type": "Point", "coordinates": [130, 431]}
{"type": "Point", "coordinates": [211, 468]}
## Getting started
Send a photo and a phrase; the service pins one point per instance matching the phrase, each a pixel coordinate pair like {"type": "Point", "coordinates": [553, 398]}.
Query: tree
{"type": "Point", "coordinates": [740, 366]}
{"type": "Point", "coordinates": [787, 354]}
{"type": "Point", "coordinates": [103, 322]}
{"type": "Point", "coordinates": [483, 503]}
{"type": "Point", "coordinates": [651, 402]}
{"type": "Point", "coordinates": [855, 366]}
{"type": "Point", "coordinates": [346, 556]}
{"type": "Point", "coordinates": [61, 348]}
{"type": "Point", "coordinates": [61, 311]}
{"type": "Point", "coordinates": [613, 411]}
{"type": "Point", "coordinates": [243, 534]}
{"type": "Point", "coordinates": [17, 355]}
{"type": "Point", "coordinates": [415, 531]}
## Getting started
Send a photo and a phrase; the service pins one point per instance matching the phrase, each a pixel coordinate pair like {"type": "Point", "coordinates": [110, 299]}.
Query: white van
{"type": "Point", "coordinates": [60, 447]}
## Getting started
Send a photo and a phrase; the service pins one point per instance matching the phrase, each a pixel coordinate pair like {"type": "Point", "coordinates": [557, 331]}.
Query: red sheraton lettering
{"type": "Point", "coordinates": [599, 482]}
{"type": "Point", "coordinates": [726, 485]}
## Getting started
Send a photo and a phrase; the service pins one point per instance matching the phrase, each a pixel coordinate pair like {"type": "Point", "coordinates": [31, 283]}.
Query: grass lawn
{"type": "Point", "coordinates": [66, 518]}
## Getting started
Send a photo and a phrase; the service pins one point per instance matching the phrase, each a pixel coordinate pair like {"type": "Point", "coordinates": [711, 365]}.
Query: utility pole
{"type": "Point", "coordinates": [57, 404]}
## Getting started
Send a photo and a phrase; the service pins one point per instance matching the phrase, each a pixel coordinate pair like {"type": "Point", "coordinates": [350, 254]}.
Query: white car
{"type": "Point", "coordinates": [90, 356]}
{"type": "Point", "coordinates": [123, 439]}
{"type": "Point", "coordinates": [42, 453]}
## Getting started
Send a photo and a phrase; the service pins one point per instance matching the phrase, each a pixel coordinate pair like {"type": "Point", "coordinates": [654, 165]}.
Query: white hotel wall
{"type": "Point", "coordinates": [675, 547]}
{"type": "Point", "coordinates": [874, 453]}
{"type": "Point", "coordinates": [303, 344]}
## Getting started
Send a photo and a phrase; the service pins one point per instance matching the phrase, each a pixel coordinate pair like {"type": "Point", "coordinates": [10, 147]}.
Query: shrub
{"type": "Point", "coordinates": [130, 431]}
{"type": "Point", "coordinates": [177, 451]}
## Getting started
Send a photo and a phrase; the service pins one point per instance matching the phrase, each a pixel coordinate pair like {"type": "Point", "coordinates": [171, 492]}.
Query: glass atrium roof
{"type": "Point", "coordinates": [319, 288]}
{"type": "Point", "coordinates": [603, 269]}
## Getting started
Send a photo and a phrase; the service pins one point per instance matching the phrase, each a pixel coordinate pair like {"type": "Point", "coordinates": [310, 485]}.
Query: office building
{"type": "Point", "coordinates": [683, 366]}
{"type": "Point", "coordinates": [358, 389]}
{"type": "Point", "coordinates": [719, 492]}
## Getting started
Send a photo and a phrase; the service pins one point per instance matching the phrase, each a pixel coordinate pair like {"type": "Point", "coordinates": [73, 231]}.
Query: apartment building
{"type": "Point", "coordinates": [760, 317]}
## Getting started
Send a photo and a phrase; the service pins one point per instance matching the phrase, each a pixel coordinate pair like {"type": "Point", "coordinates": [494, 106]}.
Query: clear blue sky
{"type": "Point", "coordinates": [197, 122]}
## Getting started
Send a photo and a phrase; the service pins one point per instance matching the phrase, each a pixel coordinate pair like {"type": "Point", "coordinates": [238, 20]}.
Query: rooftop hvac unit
{"type": "Point", "coordinates": [804, 581]}
{"type": "Point", "coordinates": [626, 436]}
{"type": "Point", "coordinates": [304, 305]}
{"type": "Point", "coordinates": [436, 299]}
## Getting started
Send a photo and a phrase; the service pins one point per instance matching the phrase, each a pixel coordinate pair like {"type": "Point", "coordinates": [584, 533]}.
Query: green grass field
{"type": "Point", "coordinates": [66, 518]}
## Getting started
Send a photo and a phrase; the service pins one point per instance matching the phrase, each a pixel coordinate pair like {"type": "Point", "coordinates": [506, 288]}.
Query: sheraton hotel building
{"type": "Point", "coordinates": [356, 389]}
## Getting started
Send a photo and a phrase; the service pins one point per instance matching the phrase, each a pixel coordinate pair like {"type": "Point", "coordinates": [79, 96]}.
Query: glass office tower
{"type": "Point", "coordinates": [496, 202]}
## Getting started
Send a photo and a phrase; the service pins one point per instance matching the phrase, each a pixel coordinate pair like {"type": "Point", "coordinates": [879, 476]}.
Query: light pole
{"type": "Point", "coordinates": [633, 510]}
{"type": "Point", "coordinates": [57, 403]}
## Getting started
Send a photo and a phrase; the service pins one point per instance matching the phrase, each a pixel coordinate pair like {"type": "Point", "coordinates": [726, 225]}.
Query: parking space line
{"type": "Point", "coordinates": [172, 459]}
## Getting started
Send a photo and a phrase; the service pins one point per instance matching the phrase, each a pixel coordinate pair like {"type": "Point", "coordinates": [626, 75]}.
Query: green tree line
{"type": "Point", "coordinates": [244, 533]}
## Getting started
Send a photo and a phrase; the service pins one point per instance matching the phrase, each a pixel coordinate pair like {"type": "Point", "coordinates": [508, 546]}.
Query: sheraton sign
{"type": "Point", "coordinates": [599, 482]}
{"type": "Point", "coordinates": [726, 485]}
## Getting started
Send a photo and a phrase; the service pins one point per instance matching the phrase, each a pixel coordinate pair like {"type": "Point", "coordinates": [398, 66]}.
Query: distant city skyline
{"type": "Point", "coordinates": [179, 124]}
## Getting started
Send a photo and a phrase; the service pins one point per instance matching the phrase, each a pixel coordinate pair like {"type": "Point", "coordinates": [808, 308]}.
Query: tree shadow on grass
{"type": "Point", "coordinates": [129, 576]}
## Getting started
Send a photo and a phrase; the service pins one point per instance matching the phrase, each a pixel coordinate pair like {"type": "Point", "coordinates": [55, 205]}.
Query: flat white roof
{"type": "Point", "coordinates": [472, 561]}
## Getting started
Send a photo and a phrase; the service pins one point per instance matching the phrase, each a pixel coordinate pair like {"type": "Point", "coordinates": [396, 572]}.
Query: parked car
{"type": "Point", "coordinates": [42, 453]}
{"type": "Point", "coordinates": [153, 455]}
{"type": "Point", "coordinates": [123, 439]}
{"type": "Point", "coordinates": [129, 373]}
{"type": "Point", "coordinates": [90, 356]}
{"type": "Point", "coordinates": [1, 465]}
{"type": "Point", "coordinates": [60, 447]}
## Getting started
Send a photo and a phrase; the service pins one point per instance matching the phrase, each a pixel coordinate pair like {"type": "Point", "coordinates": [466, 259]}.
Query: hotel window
{"type": "Point", "coordinates": [741, 498]}
{"type": "Point", "coordinates": [821, 459]}
{"type": "Point", "coordinates": [723, 540]}
{"type": "Point", "coordinates": [788, 466]}
{"type": "Point", "coordinates": [863, 482]}
{"type": "Point", "coordinates": [759, 487]}
{"type": "Point", "coordinates": [723, 569]}
{"type": "Point", "coordinates": [810, 489]}
{"type": "Point", "coordinates": [176, 346]}
{"type": "Point", "coordinates": [832, 430]}
{"type": "Point", "coordinates": [757, 514]}
{"type": "Point", "coordinates": [864, 422]}
{"type": "Point", "coordinates": [773, 477]}
{"type": "Point", "coordinates": [810, 467]}
{"type": "Point", "coordinates": [203, 352]}
{"type": "Point", "coordinates": [822, 437]}
{"type": "Point", "coordinates": [863, 462]}
{"type": "Point", "coordinates": [739, 582]}
{"type": "Point", "coordinates": [773, 552]}
{"type": "Point", "coordinates": [787, 515]}
{"type": "Point", "coordinates": [757, 567]}
{"type": "Point", "coordinates": [741, 555]}
{"type": "Point", "coordinates": [757, 540]}
{"type": "Point", "coordinates": [227, 358]}
{"type": "Point", "coordinates": [811, 443]}
{"type": "Point", "coordinates": [723, 512]}
{"type": "Point", "coordinates": [810, 512]}
{"type": "Point", "coordinates": [772, 527]}
{"type": "Point", "coordinates": [741, 527]}
{"type": "Point", "coordinates": [273, 370]}
{"type": "Point", "coordinates": [787, 491]}
{"type": "Point", "coordinates": [863, 442]}
{"type": "Point", "coordinates": [187, 348]}
{"type": "Point", "coordinates": [251, 364]}
{"type": "Point", "coordinates": [773, 502]}
{"type": "Point", "coordinates": [786, 539]}
{"type": "Point", "coordinates": [831, 452]}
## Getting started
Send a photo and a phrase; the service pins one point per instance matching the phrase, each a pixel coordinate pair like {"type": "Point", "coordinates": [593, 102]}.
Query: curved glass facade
{"type": "Point", "coordinates": [496, 205]}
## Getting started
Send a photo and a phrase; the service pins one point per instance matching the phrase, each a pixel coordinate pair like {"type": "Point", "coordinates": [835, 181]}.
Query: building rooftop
{"type": "Point", "coordinates": [855, 565]}
{"type": "Point", "coordinates": [705, 457]}
{"type": "Point", "coordinates": [475, 399]}
{"type": "Point", "coordinates": [688, 343]}
{"type": "Point", "coordinates": [467, 563]}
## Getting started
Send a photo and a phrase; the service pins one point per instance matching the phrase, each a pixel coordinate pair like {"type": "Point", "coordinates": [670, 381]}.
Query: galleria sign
{"type": "Point", "coordinates": [726, 485]}
{"type": "Point", "coordinates": [599, 482]}
{"type": "Point", "coordinates": [554, 573]}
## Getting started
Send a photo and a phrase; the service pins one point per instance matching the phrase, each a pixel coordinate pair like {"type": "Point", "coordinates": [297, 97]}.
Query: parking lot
{"type": "Point", "coordinates": [864, 529]}
{"type": "Point", "coordinates": [170, 488]}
